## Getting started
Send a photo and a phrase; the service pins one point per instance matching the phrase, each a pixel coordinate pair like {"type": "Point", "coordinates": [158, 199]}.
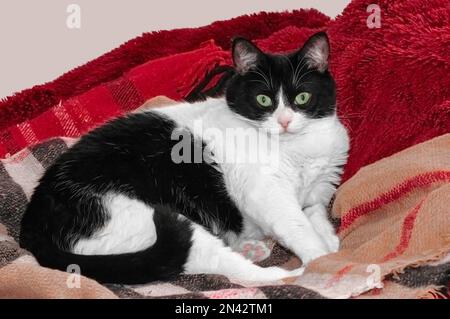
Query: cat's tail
{"type": "Point", "coordinates": [163, 260]}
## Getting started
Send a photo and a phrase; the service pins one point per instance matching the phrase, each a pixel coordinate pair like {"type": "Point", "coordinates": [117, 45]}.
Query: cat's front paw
{"type": "Point", "coordinates": [318, 216]}
{"type": "Point", "coordinates": [255, 250]}
{"type": "Point", "coordinates": [311, 254]}
{"type": "Point", "coordinates": [332, 241]}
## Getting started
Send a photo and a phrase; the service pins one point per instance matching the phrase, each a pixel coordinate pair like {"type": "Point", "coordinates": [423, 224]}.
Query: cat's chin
{"type": "Point", "coordinates": [282, 133]}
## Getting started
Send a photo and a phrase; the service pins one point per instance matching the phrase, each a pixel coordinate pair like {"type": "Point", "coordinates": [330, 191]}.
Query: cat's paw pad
{"type": "Point", "coordinates": [254, 250]}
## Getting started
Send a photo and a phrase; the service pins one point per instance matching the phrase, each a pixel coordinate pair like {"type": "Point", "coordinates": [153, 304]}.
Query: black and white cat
{"type": "Point", "coordinates": [122, 206]}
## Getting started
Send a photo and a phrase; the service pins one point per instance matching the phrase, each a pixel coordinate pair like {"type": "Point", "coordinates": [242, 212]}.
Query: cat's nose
{"type": "Point", "coordinates": [284, 119]}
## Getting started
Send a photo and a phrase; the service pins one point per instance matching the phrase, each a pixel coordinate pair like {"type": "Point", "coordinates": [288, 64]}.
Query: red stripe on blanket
{"type": "Point", "coordinates": [10, 144]}
{"type": "Point", "coordinates": [28, 133]}
{"type": "Point", "coordinates": [100, 104]}
{"type": "Point", "coordinates": [67, 124]}
{"type": "Point", "coordinates": [338, 276]}
{"type": "Point", "coordinates": [18, 138]}
{"type": "Point", "coordinates": [406, 233]}
{"type": "Point", "coordinates": [395, 193]}
{"type": "Point", "coordinates": [125, 94]}
{"type": "Point", "coordinates": [79, 114]}
{"type": "Point", "coordinates": [46, 125]}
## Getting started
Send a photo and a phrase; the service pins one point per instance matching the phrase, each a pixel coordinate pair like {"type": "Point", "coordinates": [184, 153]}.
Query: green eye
{"type": "Point", "coordinates": [302, 98]}
{"type": "Point", "coordinates": [264, 100]}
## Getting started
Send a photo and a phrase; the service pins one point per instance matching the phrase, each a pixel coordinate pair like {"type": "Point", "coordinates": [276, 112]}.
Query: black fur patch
{"type": "Point", "coordinates": [289, 72]}
{"type": "Point", "coordinates": [132, 156]}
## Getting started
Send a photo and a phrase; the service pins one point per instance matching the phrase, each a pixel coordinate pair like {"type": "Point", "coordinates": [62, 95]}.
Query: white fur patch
{"type": "Point", "coordinates": [130, 228]}
{"type": "Point", "coordinates": [209, 255]}
{"type": "Point", "coordinates": [270, 194]}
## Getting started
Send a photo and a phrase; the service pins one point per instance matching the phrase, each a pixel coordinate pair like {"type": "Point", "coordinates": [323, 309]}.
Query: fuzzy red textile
{"type": "Point", "coordinates": [393, 82]}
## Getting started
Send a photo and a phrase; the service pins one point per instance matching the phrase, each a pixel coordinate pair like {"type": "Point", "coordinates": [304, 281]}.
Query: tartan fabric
{"type": "Point", "coordinates": [19, 270]}
{"type": "Point", "coordinates": [18, 176]}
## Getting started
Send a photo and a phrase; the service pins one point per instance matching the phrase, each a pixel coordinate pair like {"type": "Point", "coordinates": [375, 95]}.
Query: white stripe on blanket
{"type": "Point", "coordinates": [25, 172]}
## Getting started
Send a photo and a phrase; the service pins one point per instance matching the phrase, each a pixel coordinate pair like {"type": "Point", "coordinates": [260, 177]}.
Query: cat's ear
{"type": "Point", "coordinates": [245, 55]}
{"type": "Point", "coordinates": [316, 51]}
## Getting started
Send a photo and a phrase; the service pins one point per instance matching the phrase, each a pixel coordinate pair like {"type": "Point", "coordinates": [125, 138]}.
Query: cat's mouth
{"type": "Point", "coordinates": [283, 132]}
{"type": "Point", "coordinates": [286, 130]}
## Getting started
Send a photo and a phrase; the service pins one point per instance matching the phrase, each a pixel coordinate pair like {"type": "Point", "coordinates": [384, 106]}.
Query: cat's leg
{"type": "Point", "coordinates": [316, 203]}
{"type": "Point", "coordinates": [318, 216]}
{"type": "Point", "coordinates": [209, 255]}
{"type": "Point", "coordinates": [278, 212]}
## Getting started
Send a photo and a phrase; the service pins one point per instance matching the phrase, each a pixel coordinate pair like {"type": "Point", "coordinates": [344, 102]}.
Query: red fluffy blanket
{"type": "Point", "coordinates": [393, 81]}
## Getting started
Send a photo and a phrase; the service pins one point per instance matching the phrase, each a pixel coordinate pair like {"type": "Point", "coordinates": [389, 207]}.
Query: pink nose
{"type": "Point", "coordinates": [285, 119]}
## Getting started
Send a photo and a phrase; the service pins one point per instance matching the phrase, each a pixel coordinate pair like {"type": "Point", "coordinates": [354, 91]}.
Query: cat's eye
{"type": "Point", "coordinates": [264, 100]}
{"type": "Point", "coordinates": [303, 98]}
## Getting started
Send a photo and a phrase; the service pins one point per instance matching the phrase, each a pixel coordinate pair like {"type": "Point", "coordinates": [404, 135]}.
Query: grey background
{"type": "Point", "coordinates": [36, 46]}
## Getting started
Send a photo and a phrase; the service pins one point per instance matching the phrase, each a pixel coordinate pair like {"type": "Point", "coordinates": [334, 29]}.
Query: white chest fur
{"type": "Point", "coordinates": [307, 164]}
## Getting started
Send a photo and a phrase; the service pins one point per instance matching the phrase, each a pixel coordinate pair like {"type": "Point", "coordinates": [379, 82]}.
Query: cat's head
{"type": "Point", "coordinates": [282, 93]}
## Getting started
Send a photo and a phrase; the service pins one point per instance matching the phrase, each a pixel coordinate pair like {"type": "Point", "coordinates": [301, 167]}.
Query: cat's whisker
{"type": "Point", "coordinates": [305, 74]}
{"type": "Point", "coordinates": [248, 120]}
{"type": "Point", "coordinates": [270, 76]}
{"type": "Point", "coordinates": [299, 85]}
{"type": "Point", "coordinates": [259, 82]}
{"type": "Point", "coordinates": [303, 65]}
{"type": "Point", "coordinates": [263, 76]}
{"type": "Point", "coordinates": [291, 65]}
{"type": "Point", "coordinates": [297, 71]}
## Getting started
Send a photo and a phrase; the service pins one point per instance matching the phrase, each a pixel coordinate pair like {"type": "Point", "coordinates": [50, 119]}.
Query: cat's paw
{"type": "Point", "coordinates": [311, 254]}
{"type": "Point", "coordinates": [296, 272]}
{"type": "Point", "coordinates": [317, 214]}
{"type": "Point", "coordinates": [332, 241]}
{"type": "Point", "coordinates": [255, 250]}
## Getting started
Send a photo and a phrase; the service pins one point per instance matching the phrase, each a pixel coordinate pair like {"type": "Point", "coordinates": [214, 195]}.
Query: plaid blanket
{"type": "Point", "coordinates": [394, 231]}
